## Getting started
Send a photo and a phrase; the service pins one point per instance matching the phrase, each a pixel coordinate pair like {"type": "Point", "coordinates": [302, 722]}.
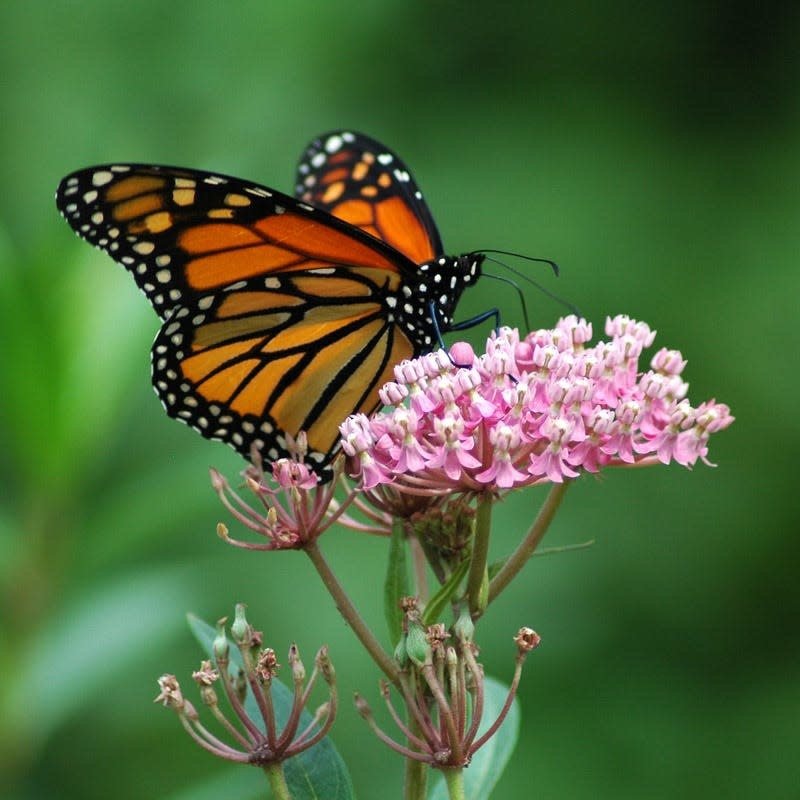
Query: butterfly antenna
{"type": "Point", "coordinates": [560, 300]}
{"type": "Point", "coordinates": [519, 293]}
{"type": "Point", "coordinates": [552, 264]}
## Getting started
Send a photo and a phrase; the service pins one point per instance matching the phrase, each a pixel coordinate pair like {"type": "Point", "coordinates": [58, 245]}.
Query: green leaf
{"type": "Point", "coordinates": [396, 586]}
{"type": "Point", "coordinates": [315, 774]}
{"type": "Point", "coordinates": [489, 762]}
{"type": "Point", "coordinates": [436, 604]}
{"type": "Point", "coordinates": [96, 637]}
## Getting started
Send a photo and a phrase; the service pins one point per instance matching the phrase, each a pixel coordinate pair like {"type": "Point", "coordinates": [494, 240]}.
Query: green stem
{"type": "Point", "coordinates": [476, 582]}
{"type": "Point", "coordinates": [349, 612]}
{"type": "Point", "coordinates": [517, 560]}
{"type": "Point", "coordinates": [454, 778]}
{"type": "Point", "coordinates": [416, 785]}
{"type": "Point", "coordinates": [277, 781]}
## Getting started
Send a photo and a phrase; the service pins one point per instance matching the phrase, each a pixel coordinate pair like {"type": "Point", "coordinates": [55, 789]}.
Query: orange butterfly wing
{"type": "Point", "coordinates": [276, 315]}
{"type": "Point", "coordinates": [364, 183]}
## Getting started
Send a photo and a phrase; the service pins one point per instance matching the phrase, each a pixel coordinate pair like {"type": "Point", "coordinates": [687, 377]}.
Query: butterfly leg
{"type": "Point", "coordinates": [460, 326]}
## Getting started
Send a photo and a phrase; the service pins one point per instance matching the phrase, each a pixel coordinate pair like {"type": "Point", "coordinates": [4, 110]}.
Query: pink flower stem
{"type": "Point", "coordinates": [517, 560]}
{"type": "Point", "coordinates": [476, 582]}
{"type": "Point", "coordinates": [349, 612]}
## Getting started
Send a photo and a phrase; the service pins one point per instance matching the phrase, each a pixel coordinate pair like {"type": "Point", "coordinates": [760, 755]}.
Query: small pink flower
{"type": "Point", "coordinates": [540, 408]}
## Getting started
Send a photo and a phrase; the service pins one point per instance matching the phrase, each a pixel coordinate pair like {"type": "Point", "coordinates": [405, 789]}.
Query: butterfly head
{"type": "Point", "coordinates": [443, 281]}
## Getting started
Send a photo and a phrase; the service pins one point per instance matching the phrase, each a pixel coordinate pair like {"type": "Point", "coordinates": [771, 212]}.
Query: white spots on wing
{"type": "Point", "coordinates": [385, 159]}
{"type": "Point", "coordinates": [144, 248]}
{"type": "Point", "coordinates": [198, 319]}
{"type": "Point", "coordinates": [102, 177]}
{"type": "Point", "coordinates": [318, 159]}
{"type": "Point", "coordinates": [174, 294]}
{"type": "Point", "coordinates": [272, 283]}
{"type": "Point", "coordinates": [214, 180]}
{"type": "Point", "coordinates": [97, 217]}
{"type": "Point", "coordinates": [235, 286]}
{"type": "Point", "coordinates": [163, 260]}
{"type": "Point", "coordinates": [334, 143]}
{"type": "Point", "coordinates": [402, 175]}
{"type": "Point", "coordinates": [163, 276]}
{"type": "Point", "coordinates": [204, 303]}
{"type": "Point", "coordinates": [258, 191]}
{"type": "Point", "coordinates": [391, 302]}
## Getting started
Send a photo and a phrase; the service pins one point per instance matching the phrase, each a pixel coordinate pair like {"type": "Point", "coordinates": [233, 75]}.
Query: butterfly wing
{"type": "Point", "coordinates": [361, 181]}
{"type": "Point", "coordinates": [275, 313]}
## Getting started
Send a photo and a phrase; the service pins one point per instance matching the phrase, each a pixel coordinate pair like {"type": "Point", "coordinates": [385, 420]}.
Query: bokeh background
{"type": "Point", "coordinates": [653, 150]}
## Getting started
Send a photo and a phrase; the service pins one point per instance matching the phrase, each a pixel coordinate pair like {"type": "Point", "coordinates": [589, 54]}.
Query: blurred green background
{"type": "Point", "coordinates": [653, 150]}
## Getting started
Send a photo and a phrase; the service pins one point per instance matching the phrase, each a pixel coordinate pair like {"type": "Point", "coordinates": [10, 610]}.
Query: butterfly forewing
{"type": "Point", "coordinates": [182, 233]}
{"type": "Point", "coordinates": [364, 183]}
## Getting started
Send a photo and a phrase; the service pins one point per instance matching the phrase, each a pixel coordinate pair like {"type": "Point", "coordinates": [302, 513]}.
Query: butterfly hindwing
{"type": "Point", "coordinates": [301, 353]}
{"type": "Point", "coordinates": [364, 183]}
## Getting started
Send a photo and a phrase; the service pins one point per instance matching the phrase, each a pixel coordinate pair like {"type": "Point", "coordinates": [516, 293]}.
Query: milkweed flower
{"type": "Point", "coordinates": [293, 505]}
{"type": "Point", "coordinates": [543, 408]}
{"type": "Point", "coordinates": [258, 741]}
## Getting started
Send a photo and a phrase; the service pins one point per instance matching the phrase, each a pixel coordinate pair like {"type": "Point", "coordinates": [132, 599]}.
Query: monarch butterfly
{"type": "Point", "coordinates": [279, 314]}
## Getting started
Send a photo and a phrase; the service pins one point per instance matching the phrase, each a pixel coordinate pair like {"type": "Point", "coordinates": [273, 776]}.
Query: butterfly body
{"type": "Point", "coordinates": [279, 314]}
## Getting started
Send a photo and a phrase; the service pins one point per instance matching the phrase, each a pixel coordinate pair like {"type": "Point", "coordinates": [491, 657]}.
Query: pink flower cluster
{"type": "Point", "coordinates": [527, 411]}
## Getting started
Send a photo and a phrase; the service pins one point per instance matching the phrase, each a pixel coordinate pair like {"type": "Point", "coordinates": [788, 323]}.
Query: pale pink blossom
{"type": "Point", "coordinates": [533, 409]}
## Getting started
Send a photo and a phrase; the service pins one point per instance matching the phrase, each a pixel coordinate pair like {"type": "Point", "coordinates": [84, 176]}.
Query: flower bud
{"type": "Point", "coordinates": [240, 629]}
{"type": "Point", "coordinates": [221, 646]}
{"type": "Point", "coordinates": [417, 646]}
{"type": "Point", "coordinates": [298, 670]}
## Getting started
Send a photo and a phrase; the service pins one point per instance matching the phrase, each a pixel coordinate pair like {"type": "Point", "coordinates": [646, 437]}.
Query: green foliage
{"type": "Point", "coordinates": [395, 587]}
